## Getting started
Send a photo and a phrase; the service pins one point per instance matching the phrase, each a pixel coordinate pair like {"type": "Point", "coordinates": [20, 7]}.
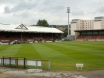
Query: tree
{"type": "Point", "coordinates": [42, 23]}
{"type": "Point", "coordinates": [66, 32]}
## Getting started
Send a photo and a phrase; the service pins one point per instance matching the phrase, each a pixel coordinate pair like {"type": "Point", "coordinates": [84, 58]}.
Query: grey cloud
{"type": "Point", "coordinates": [59, 7]}
{"type": "Point", "coordinates": [78, 13]}
{"type": "Point", "coordinates": [7, 10]}
{"type": "Point", "coordinates": [100, 9]}
{"type": "Point", "coordinates": [22, 15]}
{"type": "Point", "coordinates": [98, 6]}
{"type": "Point", "coordinates": [49, 2]}
{"type": "Point", "coordinates": [9, 1]}
{"type": "Point", "coordinates": [52, 9]}
{"type": "Point", "coordinates": [22, 5]}
{"type": "Point", "coordinates": [34, 21]}
{"type": "Point", "coordinates": [25, 15]}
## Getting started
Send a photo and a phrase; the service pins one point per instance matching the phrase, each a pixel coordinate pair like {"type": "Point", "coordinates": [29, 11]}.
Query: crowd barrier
{"type": "Point", "coordinates": [18, 61]}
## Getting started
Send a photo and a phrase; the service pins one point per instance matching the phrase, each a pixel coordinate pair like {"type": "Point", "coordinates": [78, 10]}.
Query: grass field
{"type": "Point", "coordinates": [62, 55]}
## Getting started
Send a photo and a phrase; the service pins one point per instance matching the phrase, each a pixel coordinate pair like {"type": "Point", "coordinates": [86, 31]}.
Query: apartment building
{"type": "Point", "coordinates": [78, 24]}
{"type": "Point", "coordinates": [99, 23]}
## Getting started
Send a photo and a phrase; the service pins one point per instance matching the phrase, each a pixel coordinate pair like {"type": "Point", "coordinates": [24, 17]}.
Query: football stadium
{"type": "Point", "coordinates": [43, 43]}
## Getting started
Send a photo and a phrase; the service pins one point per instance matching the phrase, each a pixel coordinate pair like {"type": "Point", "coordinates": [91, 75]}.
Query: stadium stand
{"type": "Point", "coordinates": [93, 38]}
{"type": "Point", "coordinates": [101, 38]}
{"type": "Point", "coordinates": [90, 35]}
{"type": "Point", "coordinates": [22, 33]}
{"type": "Point", "coordinates": [82, 38]}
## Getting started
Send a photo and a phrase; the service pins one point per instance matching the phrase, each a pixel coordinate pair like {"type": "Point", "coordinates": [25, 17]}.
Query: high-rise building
{"type": "Point", "coordinates": [99, 23]}
{"type": "Point", "coordinates": [77, 24]}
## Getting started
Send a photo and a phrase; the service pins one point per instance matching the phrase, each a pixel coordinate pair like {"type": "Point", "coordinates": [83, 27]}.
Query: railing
{"type": "Point", "coordinates": [18, 61]}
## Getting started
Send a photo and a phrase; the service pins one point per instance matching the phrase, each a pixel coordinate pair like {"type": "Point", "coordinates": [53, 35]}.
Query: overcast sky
{"type": "Point", "coordinates": [54, 11]}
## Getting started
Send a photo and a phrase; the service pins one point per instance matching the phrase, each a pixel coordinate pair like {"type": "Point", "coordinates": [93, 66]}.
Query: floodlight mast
{"type": "Point", "coordinates": [68, 11]}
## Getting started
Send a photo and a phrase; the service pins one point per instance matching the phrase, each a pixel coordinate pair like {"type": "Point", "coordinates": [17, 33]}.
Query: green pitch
{"type": "Point", "coordinates": [62, 55]}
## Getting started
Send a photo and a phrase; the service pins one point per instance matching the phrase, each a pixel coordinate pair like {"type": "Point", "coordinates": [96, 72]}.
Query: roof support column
{"type": "Point", "coordinates": [21, 37]}
{"type": "Point", "coordinates": [52, 37]}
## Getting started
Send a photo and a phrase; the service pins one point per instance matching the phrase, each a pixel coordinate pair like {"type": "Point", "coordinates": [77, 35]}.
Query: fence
{"type": "Point", "coordinates": [18, 61]}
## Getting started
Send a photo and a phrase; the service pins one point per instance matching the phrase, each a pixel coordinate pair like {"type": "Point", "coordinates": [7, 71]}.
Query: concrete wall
{"type": "Point", "coordinates": [73, 27]}
{"type": "Point", "coordinates": [97, 25]}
